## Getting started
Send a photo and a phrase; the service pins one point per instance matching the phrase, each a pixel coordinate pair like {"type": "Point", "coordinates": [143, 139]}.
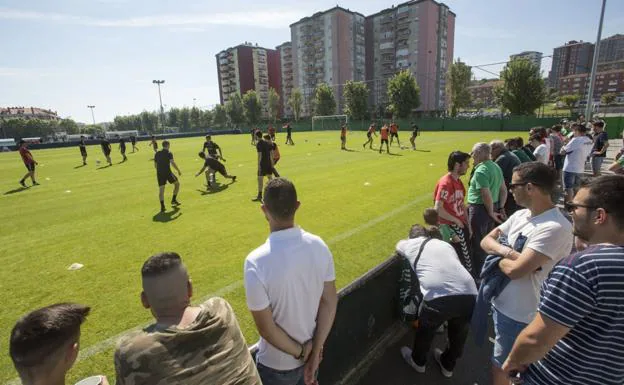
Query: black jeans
{"type": "Point", "coordinates": [454, 309]}
{"type": "Point", "coordinates": [481, 224]}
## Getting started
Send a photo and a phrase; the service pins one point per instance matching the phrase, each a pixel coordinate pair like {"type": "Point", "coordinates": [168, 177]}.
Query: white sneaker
{"type": "Point", "coordinates": [407, 356]}
{"type": "Point", "coordinates": [446, 373]}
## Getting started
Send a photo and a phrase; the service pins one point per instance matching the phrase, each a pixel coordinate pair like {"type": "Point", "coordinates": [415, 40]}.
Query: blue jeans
{"type": "Point", "coordinates": [507, 330]}
{"type": "Point", "coordinates": [597, 164]}
{"type": "Point", "coordinates": [271, 376]}
{"type": "Point", "coordinates": [571, 180]}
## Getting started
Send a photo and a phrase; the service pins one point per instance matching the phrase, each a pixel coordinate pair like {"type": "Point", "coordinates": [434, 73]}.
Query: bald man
{"type": "Point", "coordinates": [187, 344]}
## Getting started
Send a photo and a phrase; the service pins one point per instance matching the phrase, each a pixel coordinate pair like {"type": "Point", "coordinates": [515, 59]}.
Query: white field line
{"type": "Point", "coordinates": [112, 341]}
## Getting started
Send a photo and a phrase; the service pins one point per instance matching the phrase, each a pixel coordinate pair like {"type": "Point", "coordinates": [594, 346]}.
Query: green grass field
{"type": "Point", "coordinates": [360, 202]}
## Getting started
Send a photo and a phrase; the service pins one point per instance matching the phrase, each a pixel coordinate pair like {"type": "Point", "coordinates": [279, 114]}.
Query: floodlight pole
{"type": "Point", "coordinates": [162, 111]}
{"type": "Point", "coordinates": [92, 114]}
{"type": "Point", "coordinates": [592, 76]}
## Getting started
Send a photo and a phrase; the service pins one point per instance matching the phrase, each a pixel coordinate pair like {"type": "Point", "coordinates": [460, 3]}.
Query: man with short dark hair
{"type": "Point", "coordinates": [106, 150]}
{"type": "Point", "coordinates": [191, 345]}
{"type": "Point", "coordinates": [383, 134]}
{"type": "Point", "coordinates": [163, 160]}
{"type": "Point", "coordinates": [265, 162]}
{"type": "Point", "coordinates": [29, 162]}
{"type": "Point", "coordinates": [543, 236]}
{"type": "Point", "coordinates": [577, 335]}
{"type": "Point", "coordinates": [449, 293]}
{"type": "Point", "coordinates": [601, 144]}
{"type": "Point", "coordinates": [83, 150]}
{"type": "Point", "coordinates": [394, 133]}
{"type": "Point", "coordinates": [212, 165]}
{"type": "Point", "coordinates": [540, 151]}
{"type": "Point", "coordinates": [343, 137]}
{"type": "Point", "coordinates": [515, 146]}
{"type": "Point", "coordinates": [291, 292]}
{"type": "Point", "coordinates": [448, 197]}
{"type": "Point", "coordinates": [289, 134]}
{"type": "Point", "coordinates": [133, 140]}
{"type": "Point", "coordinates": [369, 135]}
{"type": "Point", "coordinates": [44, 343]}
{"type": "Point", "coordinates": [415, 133]}
{"type": "Point", "coordinates": [507, 161]}
{"type": "Point", "coordinates": [212, 148]}
{"type": "Point", "coordinates": [154, 143]}
{"type": "Point", "coordinates": [576, 152]}
{"type": "Point", "coordinates": [122, 149]}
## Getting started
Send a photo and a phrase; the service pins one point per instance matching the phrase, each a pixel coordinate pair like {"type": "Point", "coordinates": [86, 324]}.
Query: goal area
{"type": "Point", "coordinates": [329, 122]}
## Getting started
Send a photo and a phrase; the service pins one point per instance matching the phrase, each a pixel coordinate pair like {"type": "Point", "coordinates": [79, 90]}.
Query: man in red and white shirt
{"type": "Point", "coordinates": [449, 203]}
{"type": "Point", "coordinates": [29, 162]}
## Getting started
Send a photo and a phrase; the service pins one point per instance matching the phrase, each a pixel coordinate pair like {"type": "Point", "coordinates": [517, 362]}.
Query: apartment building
{"type": "Point", "coordinates": [417, 36]}
{"type": "Point", "coordinates": [532, 56]}
{"type": "Point", "coordinates": [287, 77]}
{"type": "Point", "coordinates": [606, 82]}
{"type": "Point", "coordinates": [575, 57]}
{"type": "Point", "coordinates": [611, 54]}
{"type": "Point", "coordinates": [327, 47]}
{"type": "Point", "coordinates": [248, 67]}
{"type": "Point", "coordinates": [484, 92]}
{"type": "Point", "coordinates": [28, 113]}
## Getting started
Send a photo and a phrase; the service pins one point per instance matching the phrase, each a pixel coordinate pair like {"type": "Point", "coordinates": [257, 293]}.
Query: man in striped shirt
{"type": "Point", "coordinates": [577, 336]}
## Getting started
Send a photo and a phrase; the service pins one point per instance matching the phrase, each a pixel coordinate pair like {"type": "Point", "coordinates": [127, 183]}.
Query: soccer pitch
{"type": "Point", "coordinates": [361, 203]}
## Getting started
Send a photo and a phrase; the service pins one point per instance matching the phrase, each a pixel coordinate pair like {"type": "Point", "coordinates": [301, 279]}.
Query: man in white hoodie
{"type": "Point", "coordinates": [576, 152]}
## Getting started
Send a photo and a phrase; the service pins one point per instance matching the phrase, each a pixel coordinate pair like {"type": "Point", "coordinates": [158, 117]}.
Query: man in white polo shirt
{"type": "Point", "coordinates": [576, 152]}
{"type": "Point", "coordinates": [291, 292]}
{"type": "Point", "coordinates": [544, 236]}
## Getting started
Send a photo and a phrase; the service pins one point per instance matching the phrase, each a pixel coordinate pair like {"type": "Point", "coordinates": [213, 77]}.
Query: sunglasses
{"type": "Point", "coordinates": [569, 206]}
{"type": "Point", "coordinates": [514, 185]}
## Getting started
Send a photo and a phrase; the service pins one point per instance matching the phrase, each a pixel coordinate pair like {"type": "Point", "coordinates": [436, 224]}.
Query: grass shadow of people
{"type": "Point", "coordinates": [81, 166]}
{"type": "Point", "coordinates": [167, 216]}
{"type": "Point", "coordinates": [103, 167]}
{"type": "Point", "coordinates": [16, 190]}
{"type": "Point", "coordinates": [421, 150]}
{"type": "Point", "coordinates": [217, 189]}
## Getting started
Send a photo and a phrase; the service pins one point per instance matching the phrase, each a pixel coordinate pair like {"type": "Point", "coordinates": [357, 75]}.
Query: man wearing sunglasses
{"type": "Point", "coordinates": [543, 236]}
{"type": "Point", "coordinates": [577, 336]}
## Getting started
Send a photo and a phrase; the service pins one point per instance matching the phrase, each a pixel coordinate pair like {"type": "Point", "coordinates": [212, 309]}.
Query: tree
{"type": "Point", "coordinates": [253, 107]}
{"type": "Point", "coordinates": [149, 121]}
{"type": "Point", "coordinates": [274, 104]}
{"type": "Point", "coordinates": [235, 110]}
{"type": "Point", "coordinates": [172, 117]}
{"type": "Point", "coordinates": [205, 119]}
{"type": "Point", "coordinates": [195, 118]}
{"type": "Point", "coordinates": [478, 103]}
{"type": "Point", "coordinates": [324, 101]}
{"type": "Point", "coordinates": [219, 116]}
{"type": "Point", "coordinates": [184, 119]}
{"type": "Point", "coordinates": [458, 81]}
{"type": "Point", "coordinates": [608, 98]}
{"type": "Point", "coordinates": [356, 100]}
{"type": "Point", "coordinates": [403, 94]}
{"type": "Point", "coordinates": [522, 90]}
{"type": "Point", "coordinates": [69, 126]}
{"type": "Point", "coordinates": [570, 101]}
{"type": "Point", "coordinates": [295, 102]}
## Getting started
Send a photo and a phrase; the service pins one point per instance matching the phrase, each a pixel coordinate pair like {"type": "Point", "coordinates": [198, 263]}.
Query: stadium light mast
{"type": "Point", "coordinates": [592, 75]}
{"type": "Point", "coordinates": [92, 114]}
{"type": "Point", "coordinates": [162, 111]}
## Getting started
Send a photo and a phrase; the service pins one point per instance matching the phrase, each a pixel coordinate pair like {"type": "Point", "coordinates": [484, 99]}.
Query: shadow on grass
{"type": "Point", "coordinates": [349, 150]}
{"type": "Point", "coordinates": [422, 150]}
{"type": "Point", "coordinates": [81, 166]}
{"type": "Point", "coordinates": [103, 167]}
{"type": "Point", "coordinates": [216, 189]}
{"type": "Point", "coordinates": [394, 154]}
{"type": "Point", "coordinates": [167, 216]}
{"type": "Point", "coordinates": [19, 189]}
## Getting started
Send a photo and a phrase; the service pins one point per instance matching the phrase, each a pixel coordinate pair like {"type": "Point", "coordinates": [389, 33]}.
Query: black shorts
{"type": "Point", "coordinates": [83, 152]}
{"type": "Point", "coordinates": [123, 151]}
{"type": "Point", "coordinates": [30, 166]}
{"type": "Point", "coordinates": [559, 162]}
{"type": "Point", "coordinates": [369, 135]}
{"type": "Point", "coordinates": [164, 178]}
{"type": "Point", "coordinates": [220, 169]}
{"type": "Point", "coordinates": [395, 135]}
{"type": "Point", "coordinates": [384, 141]}
{"type": "Point", "coordinates": [106, 153]}
{"type": "Point", "coordinates": [265, 169]}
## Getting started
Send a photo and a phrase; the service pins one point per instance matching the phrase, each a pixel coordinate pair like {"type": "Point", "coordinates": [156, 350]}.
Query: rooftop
{"type": "Point", "coordinates": [412, 2]}
{"type": "Point", "coordinates": [317, 14]}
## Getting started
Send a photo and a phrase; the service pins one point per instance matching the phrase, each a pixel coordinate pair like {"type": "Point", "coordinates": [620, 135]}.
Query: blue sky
{"type": "Point", "coordinates": [66, 54]}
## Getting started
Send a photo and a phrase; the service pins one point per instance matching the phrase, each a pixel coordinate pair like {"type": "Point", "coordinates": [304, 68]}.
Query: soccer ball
{"type": "Point", "coordinates": [97, 162]}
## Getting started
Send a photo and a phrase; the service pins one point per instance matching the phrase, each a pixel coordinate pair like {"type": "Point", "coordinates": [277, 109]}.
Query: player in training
{"type": "Point", "coordinates": [29, 162]}
{"type": "Point", "coordinates": [394, 133]}
{"type": "Point", "coordinates": [383, 133]}
{"type": "Point", "coordinates": [83, 150]}
{"type": "Point", "coordinates": [133, 141]}
{"type": "Point", "coordinates": [275, 154]}
{"type": "Point", "coordinates": [343, 137]}
{"type": "Point", "coordinates": [122, 149]}
{"type": "Point", "coordinates": [271, 132]}
{"type": "Point", "coordinates": [213, 149]}
{"type": "Point", "coordinates": [106, 150]}
{"type": "Point", "coordinates": [369, 134]}
{"type": "Point", "coordinates": [415, 133]}
{"type": "Point", "coordinates": [163, 160]}
{"type": "Point", "coordinates": [288, 129]}
{"type": "Point", "coordinates": [154, 143]}
{"type": "Point", "coordinates": [265, 163]}
{"type": "Point", "coordinates": [212, 165]}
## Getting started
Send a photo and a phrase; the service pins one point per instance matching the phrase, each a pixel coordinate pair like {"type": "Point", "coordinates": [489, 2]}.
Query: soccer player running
{"type": "Point", "coordinates": [369, 134]}
{"type": "Point", "coordinates": [289, 134]}
{"type": "Point", "coordinates": [213, 149]}
{"type": "Point", "coordinates": [106, 150]}
{"type": "Point", "coordinates": [265, 163]}
{"type": "Point", "coordinates": [415, 133]}
{"type": "Point", "coordinates": [394, 133]}
{"type": "Point", "coordinates": [122, 149]}
{"type": "Point", "coordinates": [29, 162]}
{"type": "Point", "coordinates": [212, 165]}
{"type": "Point", "coordinates": [383, 133]}
{"type": "Point", "coordinates": [343, 137]}
{"type": "Point", "coordinates": [271, 132]}
{"type": "Point", "coordinates": [154, 143]}
{"type": "Point", "coordinates": [83, 150]}
{"type": "Point", "coordinates": [133, 141]}
{"type": "Point", "coordinates": [163, 160]}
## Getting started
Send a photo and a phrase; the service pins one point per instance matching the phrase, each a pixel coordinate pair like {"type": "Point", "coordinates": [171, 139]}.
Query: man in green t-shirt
{"type": "Point", "coordinates": [486, 199]}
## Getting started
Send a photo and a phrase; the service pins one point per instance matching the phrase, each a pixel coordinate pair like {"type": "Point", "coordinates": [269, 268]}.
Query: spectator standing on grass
{"type": "Point", "coordinates": [601, 144]}
{"type": "Point", "coordinates": [507, 161]}
{"type": "Point", "coordinates": [448, 198]}
{"type": "Point", "coordinates": [448, 296]}
{"type": "Point", "coordinates": [29, 162]}
{"type": "Point", "coordinates": [577, 336]}
{"type": "Point", "coordinates": [543, 236]}
{"type": "Point", "coordinates": [487, 195]}
{"type": "Point", "coordinates": [576, 152]}
{"type": "Point", "coordinates": [44, 343]}
{"type": "Point", "coordinates": [187, 344]}
{"type": "Point", "coordinates": [291, 292]}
